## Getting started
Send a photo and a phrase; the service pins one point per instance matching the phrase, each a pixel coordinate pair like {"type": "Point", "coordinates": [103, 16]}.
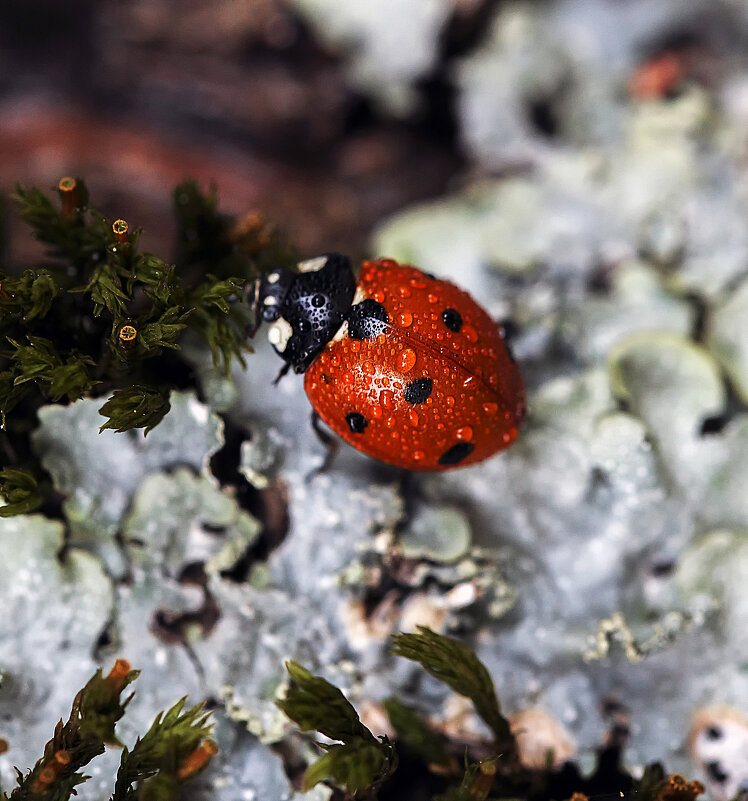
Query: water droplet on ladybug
{"type": "Point", "coordinates": [378, 295]}
{"type": "Point", "coordinates": [407, 360]}
{"type": "Point", "coordinates": [405, 319]}
{"type": "Point", "coordinates": [387, 398]}
{"type": "Point", "coordinates": [490, 408]}
{"type": "Point", "coordinates": [413, 418]}
{"type": "Point", "coordinates": [432, 298]}
{"type": "Point", "coordinates": [470, 333]}
{"type": "Point", "coordinates": [465, 433]}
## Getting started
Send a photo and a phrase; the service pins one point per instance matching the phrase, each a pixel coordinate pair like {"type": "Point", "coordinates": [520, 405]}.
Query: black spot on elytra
{"type": "Point", "coordinates": [456, 453]}
{"type": "Point", "coordinates": [452, 319]}
{"type": "Point", "coordinates": [356, 422]}
{"type": "Point", "coordinates": [419, 390]}
{"type": "Point", "coordinates": [367, 319]}
{"type": "Point", "coordinates": [716, 772]}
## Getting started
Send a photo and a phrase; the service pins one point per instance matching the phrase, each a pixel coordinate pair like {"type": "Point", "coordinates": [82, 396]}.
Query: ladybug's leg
{"type": "Point", "coordinates": [331, 443]}
{"type": "Point", "coordinates": [286, 367]}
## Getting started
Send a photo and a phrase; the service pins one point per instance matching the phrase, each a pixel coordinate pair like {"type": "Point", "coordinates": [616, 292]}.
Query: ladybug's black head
{"type": "Point", "coordinates": [306, 309]}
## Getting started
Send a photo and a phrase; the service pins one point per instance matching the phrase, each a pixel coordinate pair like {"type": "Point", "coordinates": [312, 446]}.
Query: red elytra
{"type": "Point", "coordinates": [418, 375]}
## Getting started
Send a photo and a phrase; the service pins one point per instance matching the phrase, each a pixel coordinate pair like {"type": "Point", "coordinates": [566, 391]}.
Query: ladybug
{"type": "Point", "coordinates": [405, 367]}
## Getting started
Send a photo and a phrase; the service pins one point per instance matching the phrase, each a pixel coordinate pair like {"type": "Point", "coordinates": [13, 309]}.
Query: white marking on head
{"type": "Point", "coordinates": [270, 301]}
{"type": "Point", "coordinates": [312, 265]}
{"type": "Point", "coordinates": [341, 332]}
{"type": "Point", "coordinates": [279, 333]}
{"type": "Point", "coordinates": [359, 296]}
{"type": "Point", "coordinates": [273, 278]}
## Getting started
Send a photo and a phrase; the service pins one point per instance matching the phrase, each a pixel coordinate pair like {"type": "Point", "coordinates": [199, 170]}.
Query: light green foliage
{"type": "Point", "coordinates": [134, 407]}
{"type": "Point", "coordinates": [316, 705]}
{"type": "Point", "coordinates": [357, 765]}
{"type": "Point", "coordinates": [361, 761]}
{"type": "Point", "coordinates": [457, 666]}
{"type": "Point", "coordinates": [21, 491]}
{"type": "Point", "coordinates": [156, 757]}
{"type": "Point", "coordinates": [158, 762]}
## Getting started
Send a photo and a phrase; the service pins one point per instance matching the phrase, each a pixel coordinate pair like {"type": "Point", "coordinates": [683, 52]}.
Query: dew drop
{"type": "Point", "coordinates": [449, 400]}
{"type": "Point", "coordinates": [405, 319]}
{"type": "Point", "coordinates": [390, 422]}
{"type": "Point", "coordinates": [404, 292]}
{"type": "Point", "coordinates": [355, 346]}
{"type": "Point", "coordinates": [387, 399]}
{"type": "Point", "coordinates": [432, 298]}
{"type": "Point", "coordinates": [378, 295]}
{"type": "Point", "coordinates": [417, 283]}
{"type": "Point", "coordinates": [490, 408]}
{"type": "Point", "coordinates": [413, 418]}
{"type": "Point", "coordinates": [376, 412]}
{"type": "Point", "coordinates": [407, 360]}
{"type": "Point", "coordinates": [470, 333]}
{"type": "Point", "coordinates": [348, 378]}
{"type": "Point", "coordinates": [368, 368]}
{"type": "Point", "coordinates": [465, 433]}
{"type": "Point", "coordinates": [335, 360]}
{"type": "Point", "coordinates": [419, 455]}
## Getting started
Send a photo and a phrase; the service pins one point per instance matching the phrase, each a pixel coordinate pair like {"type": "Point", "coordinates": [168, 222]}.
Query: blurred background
{"type": "Point", "coordinates": [253, 95]}
{"type": "Point", "coordinates": [328, 116]}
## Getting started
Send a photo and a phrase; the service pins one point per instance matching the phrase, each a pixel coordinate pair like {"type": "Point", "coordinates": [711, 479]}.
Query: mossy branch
{"type": "Point", "coordinates": [173, 750]}
{"type": "Point", "coordinates": [456, 665]}
{"type": "Point", "coordinates": [361, 761]}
